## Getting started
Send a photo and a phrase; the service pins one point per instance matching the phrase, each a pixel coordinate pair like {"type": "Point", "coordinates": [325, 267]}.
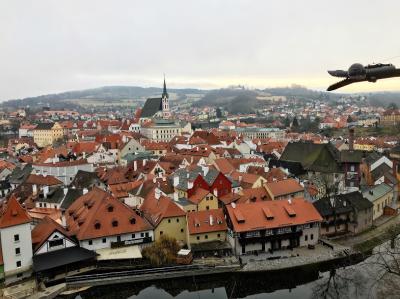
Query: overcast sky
{"type": "Point", "coordinates": [55, 46]}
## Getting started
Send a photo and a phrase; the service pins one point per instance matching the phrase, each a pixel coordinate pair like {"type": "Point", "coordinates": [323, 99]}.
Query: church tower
{"type": "Point", "coordinates": [165, 102]}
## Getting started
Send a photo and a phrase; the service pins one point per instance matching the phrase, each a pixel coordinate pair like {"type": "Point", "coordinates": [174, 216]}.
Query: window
{"type": "Point", "coordinates": [207, 207]}
{"type": "Point", "coordinates": [142, 235]}
{"type": "Point", "coordinates": [219, 235]}
{"type": "Point", "coordinates": [133, 236]}
{"type": "Point", "coordinates": [306, 238]}
{"type": "Point", "coordinates": [147, 235]}
{"type": "Point", "coordinates": [104, 240]}
{"type": "Point", "coordinates": [198, 237]}
{"type": "Point", "coordinates": [57, 242]}
{"type": "Point", "coordinates": [17, 251]}
{"type": "Point", "coordinates": [16, 238]}
{"type": "Point", "coordinates": [206, 237]}
{"type": "Point", "coordinates": [177, 219]}
{"type": "Point", "coordinates": [18, 264]}
{"type": "Point", "coordinates": [169, 220]}
{"type": "Point", "coordinates": [181, 230]}
{"type": "Point", "coordinates": [118, 238]}
{"type": "Point", "coordinates": [90, 242]}
{"type": "Point", "coordinates": [161, 232]}
{"type": "Point", "coordinates": [312, 237]}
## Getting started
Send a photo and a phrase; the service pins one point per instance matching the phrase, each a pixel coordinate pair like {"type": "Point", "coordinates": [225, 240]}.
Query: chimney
{"type": "Point", "coordinates": [144, 162]}
{"type": "Point", "coordinates": [176, 196]}
{"type": "Point", "coordinates": [84, 191]}
{"type": "Point", "coordinates": [63, 221]}
{"type": "Point", "coordinates": [45, 191]}
{"type": "Point", "coordinates": [190, 185]}
{"type": "Point", "coordinates": [216, 192]}
{"type": "Point", "coordinates": [135, 165]}
{"type": "Point", "coordinates": [34, 189]}
{"type": "Point", "coordinates": [205, 170]}
{"type": "Point", "coordinates": [211, 220]}
{"type": "Point", "coordinates": [176, 180]}
{"type": "Point", "coordinates": [351, 139]}
{"type": "Point", "coordinates": [157, 193]}
{"type": "Point", "coordinates": [240, 178]}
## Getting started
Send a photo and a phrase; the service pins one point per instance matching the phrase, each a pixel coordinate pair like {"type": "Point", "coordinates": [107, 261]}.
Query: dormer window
{"type": "Point", "coordinates": [115, 223]}
{"type": "Point", "coordinates": [132, 220]}
{"type": "Point", "coordinates": [97, 225]}
{"type": "Point", "coordinates": [110, 208]}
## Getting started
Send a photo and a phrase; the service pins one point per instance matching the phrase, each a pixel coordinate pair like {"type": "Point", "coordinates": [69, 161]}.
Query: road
{"type": "Point", "coordinates": [378, 231]}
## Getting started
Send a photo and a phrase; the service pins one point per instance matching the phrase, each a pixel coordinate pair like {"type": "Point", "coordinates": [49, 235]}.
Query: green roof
{"type": "Point", "coordinates": [314, 157]}
{"type": "Point", "coordinates": [377, 192]}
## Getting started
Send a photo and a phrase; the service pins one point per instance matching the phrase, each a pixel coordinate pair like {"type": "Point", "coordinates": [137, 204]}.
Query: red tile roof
{"type": "Point", "coordinates": [87, 147]}
{"type": "Point", "coordinates": [206, 221]}
{"type": "Point", "coordinates": [229, 198]}
{"type": "Point", "coordinates": [198, 195]}
{"type": "Point", "coordinates": [224, 166]}
{"type": "Point", "coordinates": [14, 214]}
{"type": "Point", "coordinates": [157, 209]}
{"type": "Point", "coordinates": [253, 195]}
{"type": "Point", "coordinates": [250, 217]}
{"type": "Point", "coordinates": [44, 229]}
{"type": "Point", "coordinates": [48, 180]}
{"type": "Point", "coordinates": [63, 163]}
{"type": "Point", "coordinates": [95, 214]}
{"type": "Point", "coordinates": [284, 187]}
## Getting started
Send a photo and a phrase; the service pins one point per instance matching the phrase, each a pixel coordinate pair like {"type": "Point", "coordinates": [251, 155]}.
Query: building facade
{"type": "Point", "coordinates": [47, 133]}
{"type": "Point", "coordinates": [268, 226]}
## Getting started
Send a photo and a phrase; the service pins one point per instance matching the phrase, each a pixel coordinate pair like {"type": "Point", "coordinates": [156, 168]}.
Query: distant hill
{"type": "Point", "coordinates": [234, 100]}
{"type": "Point", "coordinates": [107, 93]}
{"type": "Point", "coordinates": [245, 101]}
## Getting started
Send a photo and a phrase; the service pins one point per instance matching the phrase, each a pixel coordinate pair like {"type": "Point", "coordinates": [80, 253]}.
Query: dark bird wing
{"type": "Point", "coordinates": [338, 73]}
{"type": "Point", "coordinates": [341, 84]}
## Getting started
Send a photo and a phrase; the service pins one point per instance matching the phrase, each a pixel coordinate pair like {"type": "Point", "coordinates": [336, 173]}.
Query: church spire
{"type": "Point", "coordinates": [165, 93]}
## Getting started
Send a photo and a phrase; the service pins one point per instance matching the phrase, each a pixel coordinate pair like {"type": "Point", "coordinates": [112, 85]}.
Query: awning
{"type": "Point", "coordinates": [62, 257]}
{"type": "Point", "coordinates": [122, 253]}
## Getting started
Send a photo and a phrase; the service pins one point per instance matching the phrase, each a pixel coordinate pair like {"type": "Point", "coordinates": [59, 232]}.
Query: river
{"type": "Point", "coordinates": [359, 280]}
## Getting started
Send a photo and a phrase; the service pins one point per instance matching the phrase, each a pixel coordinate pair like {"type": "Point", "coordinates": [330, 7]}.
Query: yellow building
{"type": "Point", "coordinates": [47, 133]}
{"type": "Point", "coordinates": [174, 227]}
{"type": "Point", "coordinates": [364, 146]}
{"type": "Point", "coordinates": [200, 200]}
{"type": "Point", "coordinates": [167, 218]}
{"type": "Point", "coordinates": [390, 117]}
{"type": "Point", "coordinates": [206, 226]}
{"type": "Point", "coordinates": [380, 196]}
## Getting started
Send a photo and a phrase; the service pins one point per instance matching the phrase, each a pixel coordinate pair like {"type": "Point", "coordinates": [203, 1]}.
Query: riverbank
{"type": "Point", "coordinates": [342, 251]}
